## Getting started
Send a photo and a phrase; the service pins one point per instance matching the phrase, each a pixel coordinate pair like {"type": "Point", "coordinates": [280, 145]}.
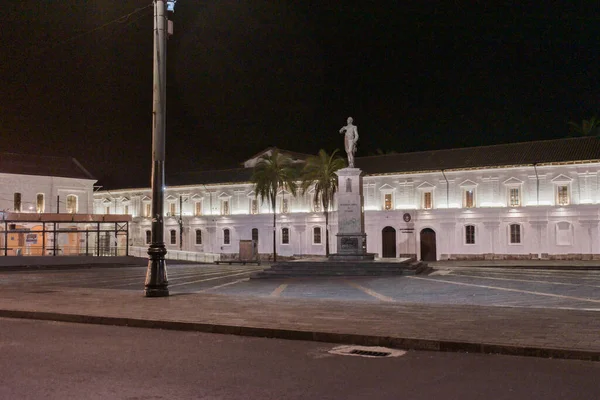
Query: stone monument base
{"type": "Point", "coordinates": [366, 257]}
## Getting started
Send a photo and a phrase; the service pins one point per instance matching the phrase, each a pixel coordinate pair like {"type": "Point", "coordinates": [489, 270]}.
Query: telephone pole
{"type": "Point", "coordinates": [157, 283]}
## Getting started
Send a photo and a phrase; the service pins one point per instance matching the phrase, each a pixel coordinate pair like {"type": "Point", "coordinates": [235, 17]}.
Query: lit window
{"type": "Point", "coordinates": [198, 208]}
{"type": "Point", "coordinates": [148, 237]}
{"type": "Point", "coordinates": [224, 207]}
{"type": "Point", "coordinates": [285, 206]}
{"type": "Point", "coordinates": [17, 202]}
{"type": "Point", "coordinates": [285, 236]}
{"type": "Point", "coordinates": [172, 209]}
{"type": "Point", "coordinates": [40, 203]}
{"type": "Point", "coordinates": [563, 195]}
{"type": "Point", "coordinates": [387, 201]}
{"type": "Point", "coordinates": [253, 206]}
{"type": "Point", "coordinates": [514, 197]}
{"type": "Point", "coordinates": [317, 235]}
{"type": "Point", "coordinates": [198, 236]}
{"type": "Point", "coordinates": [469, 198]}
{"type": "Point", "coordinates": [226, 236]}
{"type": "Point", "coordinates": [71, 204]}
{"type": "Point", "coordinates": [515, 234]}
{"type": "Point", "coordinates": [126, 209]}
{"type": "Point", "coordinates": [173, 236]}
{"type": "Point", "coordinates": [469, 234]}
{"type": "Point", "coordinates": [317, 204]}
{"type": "Point", "coordinates": [428, 200]}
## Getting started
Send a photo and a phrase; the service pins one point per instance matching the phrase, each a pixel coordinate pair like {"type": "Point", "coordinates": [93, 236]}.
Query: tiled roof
{"type": "Point", "coordinates": [526, 153]}
{"type": "Point", "coordinates": [26, 164]}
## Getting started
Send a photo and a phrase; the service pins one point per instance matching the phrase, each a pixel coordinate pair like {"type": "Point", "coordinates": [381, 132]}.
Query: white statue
{"type": "Point", "coordinates": [350, 141]}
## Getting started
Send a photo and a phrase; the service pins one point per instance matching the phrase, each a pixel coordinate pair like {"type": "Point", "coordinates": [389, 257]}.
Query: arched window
{"type": "Point", "coordinates": [226, 236]}
{"type": "Point", "coordinates": [71, 204]}
{"type": "Point", "coordinates": [173, 233]}
{"type": "Point", "coordinates": [515, 233]}
{"type": "Point", "coordinates": [317, 235]}
{"type": "Point", "coordinates": [469, 234]}
{"type": "Point", "coordinates": [40, 203]}
{"type": "Point", "coordinates": [17, 202]}
{"type": "Point", "coordinates": [148, 237]}
{"type": "Point", "coordinates": [198, 236]}
{"type": "Point", "coordinates": [285, 235]}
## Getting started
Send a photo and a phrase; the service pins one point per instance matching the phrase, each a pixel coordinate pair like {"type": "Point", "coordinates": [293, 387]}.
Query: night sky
{"type": "Point", "coordinates": [245, 75]}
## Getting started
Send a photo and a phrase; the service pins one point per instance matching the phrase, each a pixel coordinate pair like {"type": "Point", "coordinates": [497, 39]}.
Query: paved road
{"type": "Point", "coordinates": [483, 286]}
{"type": "Point", "coordinates": [51, 360]}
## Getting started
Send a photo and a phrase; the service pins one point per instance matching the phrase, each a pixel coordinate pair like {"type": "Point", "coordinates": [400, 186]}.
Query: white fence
{"type": "Point", "coordinates": [178, 255]}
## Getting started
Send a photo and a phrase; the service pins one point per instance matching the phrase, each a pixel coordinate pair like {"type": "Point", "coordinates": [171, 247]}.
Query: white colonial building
{"type": "Point", "coordinates": [46, 208]}
{"type": "Point", "coordinates": [522, 200]}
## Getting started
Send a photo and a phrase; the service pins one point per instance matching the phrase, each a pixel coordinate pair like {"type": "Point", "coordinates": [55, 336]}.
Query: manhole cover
{"type": "Point", "coordinates": [365, 351]}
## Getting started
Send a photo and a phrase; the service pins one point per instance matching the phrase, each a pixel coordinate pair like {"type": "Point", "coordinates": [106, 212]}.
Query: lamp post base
{"type": "Point", "coordinates": [156, 275]}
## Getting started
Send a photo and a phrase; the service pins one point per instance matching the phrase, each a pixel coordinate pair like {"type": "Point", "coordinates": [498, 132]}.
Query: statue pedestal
{"type": "Point", "coordinates": [351, 237]}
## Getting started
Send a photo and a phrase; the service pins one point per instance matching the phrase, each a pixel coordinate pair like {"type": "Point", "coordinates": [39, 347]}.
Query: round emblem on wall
{"type": "Point", "coordinates": [406, 217]}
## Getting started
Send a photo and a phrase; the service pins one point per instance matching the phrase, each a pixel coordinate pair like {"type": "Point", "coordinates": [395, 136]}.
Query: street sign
{"type": "Point", "coordinates": [31, 238]}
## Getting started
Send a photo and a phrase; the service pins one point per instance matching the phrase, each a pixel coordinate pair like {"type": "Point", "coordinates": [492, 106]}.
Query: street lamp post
{"type": "Point", "coordinates": [156, 284]}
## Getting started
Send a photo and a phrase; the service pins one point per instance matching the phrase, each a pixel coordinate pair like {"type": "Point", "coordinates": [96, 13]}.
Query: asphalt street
{"type": "Point", "coordinates": [475, 286]}
{"type": "Point", "coordinates": [53, 360]}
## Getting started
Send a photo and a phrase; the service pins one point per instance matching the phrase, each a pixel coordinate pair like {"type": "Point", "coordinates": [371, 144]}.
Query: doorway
{"type": "Point", "coordinates": [388, 242]}
{"type": "Point", "coordinates": [428, 248]}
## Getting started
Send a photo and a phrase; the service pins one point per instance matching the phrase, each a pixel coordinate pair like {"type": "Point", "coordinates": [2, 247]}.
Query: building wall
{"type": "Point", "coordinates": [547, 229]}
{"type": "Point", "coordinates": [55, 190]}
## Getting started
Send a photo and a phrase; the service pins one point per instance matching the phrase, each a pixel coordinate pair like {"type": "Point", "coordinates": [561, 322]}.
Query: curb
{"type": "Point", "coordinates": [315, 336]}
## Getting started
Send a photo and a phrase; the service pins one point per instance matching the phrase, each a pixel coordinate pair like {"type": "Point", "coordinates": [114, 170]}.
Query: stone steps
{"type": "Point", "coordinates": [333, 269]}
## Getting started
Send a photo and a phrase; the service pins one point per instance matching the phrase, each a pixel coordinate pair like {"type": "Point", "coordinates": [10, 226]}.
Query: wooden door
{"type": "Point", "coordinates": [388, 242]}
{"type": "Point", "coordinates": [428, 247]}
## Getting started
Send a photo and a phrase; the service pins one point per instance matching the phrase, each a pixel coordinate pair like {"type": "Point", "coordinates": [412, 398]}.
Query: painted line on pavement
{"type": "Point", "coordinates": [508, 290]}
{"type": "Point", "coordinates": [210, 279]}
{"type": "Point", "coordinates": [277, 292]}
{"type": "Point", "coordinates": [223, 285]}
{"type": "Point", "coordinates": [370, 292]}
{"type": "Point", "coordinates": [178, 278]}
{"type": "Point", "coordinates": [524, 280]}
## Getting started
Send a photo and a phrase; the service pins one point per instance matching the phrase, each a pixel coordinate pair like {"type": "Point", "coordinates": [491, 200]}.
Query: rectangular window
{"type": "Point", "coordinates": [126, 209]}
{"type": "Point", "coordinates": [469, 234]}
{"type": "Point", "coordinates": [317, 235]}
{"type": "Point", "coordinates": [173, 233]}
{"type": "Point", "coordinates": [148, 210]}
{"type": "Point", "coordinates": [253, 206]}
{"type": "Point", "coordinates": [40, 203]}
{"type": "Point", "coordinates": [148, 237]}
{"type": "Point", "coordinates": [198, 236]}
{"type": "Point", "coordinates": [225, 207]}
{"type": "Point", "coordinates": [71, 204]}
{"type": "Point", "coordinates": [226, 237]}
{"type": "Point", "coordinates": [284, 206]}
{"type": "Point", "coordinates": [172, 209]}
{"type": "Point", "coordinates": [514, 197]}
{"type": "Point", "coordinates": [317, 204]}
{"type": "Point", "coordinates": [387, 201]}
{"type": "Point", "coordinates": [515, 234]}
{"type": "Point", "coordinates": [198, 208]}
{"type": "Point", "coordinates": [428, 200]}
{"type": "Point", "coordinates": [469, 198]}
{"type": "Point", "coordinates": [107, 210]}
{"type": "Point", "coordinates": [285, 236]}
{"type": "Point", "coordinates": [563, 195]}
{"type": "Point", "coordinates": [17, 202]}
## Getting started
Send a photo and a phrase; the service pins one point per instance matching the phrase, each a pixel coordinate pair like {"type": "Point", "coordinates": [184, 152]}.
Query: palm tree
{"type": "Point", "coordinates": [320, 172]}
{"type": "Point", "coordinates": [587, 128]}
{"type": "Point", "coordinates": [272, 173]}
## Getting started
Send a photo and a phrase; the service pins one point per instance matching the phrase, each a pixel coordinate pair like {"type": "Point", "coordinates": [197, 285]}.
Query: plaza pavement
{"type": "Point", "coordinates": [543, 332]}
